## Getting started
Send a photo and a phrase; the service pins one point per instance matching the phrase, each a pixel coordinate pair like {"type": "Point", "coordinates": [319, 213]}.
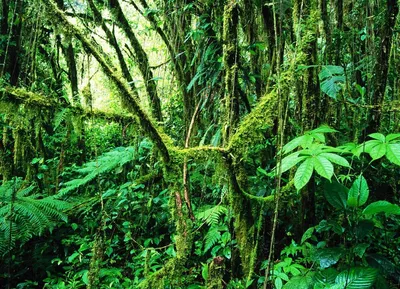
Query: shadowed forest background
{"type": "Point", "coordinates": [199, 144]}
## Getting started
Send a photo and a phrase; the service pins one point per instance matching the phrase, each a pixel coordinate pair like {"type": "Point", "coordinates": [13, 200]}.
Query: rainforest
{"type": "Point", "coordinates": [199, 144]}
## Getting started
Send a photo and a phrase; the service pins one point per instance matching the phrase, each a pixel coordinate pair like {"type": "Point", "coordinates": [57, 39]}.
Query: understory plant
{"type": "Point", "coordinates": [357, 245]}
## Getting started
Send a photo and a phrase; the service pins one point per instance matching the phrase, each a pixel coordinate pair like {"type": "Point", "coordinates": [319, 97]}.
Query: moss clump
{"type": "Point", "coordinates": [216, 271]}
{"type": "Point", "coordinates": [95, 263]}
{"type": "Point", "coordinates": [254, 125]}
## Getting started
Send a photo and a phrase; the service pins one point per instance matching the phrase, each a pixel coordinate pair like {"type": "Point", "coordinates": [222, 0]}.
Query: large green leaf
{"type": "Point", "coordinates": [326, 276]}
{"type": "Point", "coordinates": [323, 129]}
{"type": "Point", "coordinates": [336, 194]}
{"type": "Point", "coordinates": [327, 257]}
{"type": "Point", "coordinates": [392, 136]}
{"type": "Point", "coordinates": [290, 161]}
{"type": "Point", "coordinates": [378, 136]}
{"type": "Point", "coordinates": [359, 249]}
{"type": "Point", "coordinates": [382, 207]}
{"type": "Point", "coordinates": [303, 173]}
{"type": "Point", "coordinates": [378, 151]}
{"type": "Point", "coordinates": [357, 278]}
{"type": "Point", "coordinates": [307, 234]}
{"type": "Point", "coordinates": [300, 282]}
{"type": "Point", "coordinates": [307, 141]}
{"type": "Point", "coordinates": [334, 158]}
{"type": "Point", "coordinates": [383, 264]}
{"type": "Point", "coordinates": [323, 167]}
{"type": "Point", "coordinates": [278, 283]}
{"type": "Point", "coordinates": [358, 193]}
{"type": "Point", "coordinates": [393, 153]}
{"type": "Point", "coordinates": [369, 145]}
{"type": "Point", "coordinates": [331, 79]}
{"type": "Point", "coordinates": [294, 143]}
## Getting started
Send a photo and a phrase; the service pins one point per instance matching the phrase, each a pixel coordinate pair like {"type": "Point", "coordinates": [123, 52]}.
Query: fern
{"type": "Point", "coordinates": [23, 215]}
{"type": "Point", "coordinates": [212, 215]}
{"type": "Point", "coordinates": [61, 116]}
{"type": "Point", "coordinates": [213, 236]}
{"type": "Point", "coordinates": [104, 164]}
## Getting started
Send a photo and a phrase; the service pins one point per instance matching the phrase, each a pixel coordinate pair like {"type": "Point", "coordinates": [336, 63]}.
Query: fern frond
{"type": "Point", "coordinates": [104, 164]}
{"type": "Point", "coordinates": [211, 238]}
{"type": "Point", "coordinates": [60, 117]}
{"type": "Point", "coordinates": [212, 215]}
{"type": "Point", "coordinates": [23, 215]}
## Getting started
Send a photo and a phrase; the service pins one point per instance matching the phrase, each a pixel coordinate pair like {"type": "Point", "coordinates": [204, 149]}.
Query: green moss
{"type": "Point", "coordinates": [253, 126]}
{"type": "Point", "coordinates": [244, 205]}
{"type": "Point", "coordinates": [173, 268]}
{"type": "Point", "coordinates": [215, 275]}
{"type": "Point", "coordinates": [230, 55]}
{"type": "Point", "coordinates": [95, 263]}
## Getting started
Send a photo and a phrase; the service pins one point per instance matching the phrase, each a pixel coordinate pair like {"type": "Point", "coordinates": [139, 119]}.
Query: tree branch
{"type": "Point", "coordinates": [126, 96]}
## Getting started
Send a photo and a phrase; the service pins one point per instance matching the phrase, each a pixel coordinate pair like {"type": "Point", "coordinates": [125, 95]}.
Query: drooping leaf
{"type": "Point", "coordinates": [357, 278]}
{"type": "Point", "coordinates": [334, 158]}
{"type": "Point", "coordinates": [290, 161]}
{"type": "Point", "coordinates": [326, 276]}
{"type": "Point", "coordinates": [369, 145]}
{"type": "Point", "coordinates": [204, 272]}
{"type": "Point", "coordinates": [327, 257]}
{"type": "Point", "coordinates": [331, 80]}
{"type": "Point", "coordinates": [303, 173]}
{"type": "Point", "coordinates": [307, 234]}
{"type": "Point", "coordinates": [323, 129]}
{"type": "Point", "coordinates": [377, 136]}
{"type": "Point", "coordinates": [323, 167]}
{"type": "Point", "coordinates": [336, 194]}
{"type": "Point", "coordinates": [358, 193]}
{"type": "Point", "coordinates": [392, 136]}
{"type": "Point", "coordinates": [300, 282]}
{"type": "Point", "coordinates": [325, 226]}
{"type": "Point", "coordinates": [294, 143]}
{"type": "Point", "coordinates": [359, 249]}
{"type": "Point", "coordinates": [383, 264]}
{"type": "Point", "coordinates": [393, 153]}
{"type": "Point", "coordinates": [378, 151]}
{"type": "Point", "coordinates": [278, 283]}
{"type": "Point", "coordinates": [382, 207]}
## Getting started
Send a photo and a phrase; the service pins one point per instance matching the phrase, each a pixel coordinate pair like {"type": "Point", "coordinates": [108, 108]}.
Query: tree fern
{"type": "Point", "coordinates": [23, 214]}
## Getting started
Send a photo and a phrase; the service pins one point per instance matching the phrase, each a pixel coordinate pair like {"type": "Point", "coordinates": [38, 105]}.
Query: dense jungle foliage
{"type": "Point", "coordinates": [200, 144]}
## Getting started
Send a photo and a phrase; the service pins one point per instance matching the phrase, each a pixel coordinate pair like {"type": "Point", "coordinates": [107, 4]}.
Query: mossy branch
{"type": "Point", "coordinates": [20, 95]}
{"type": "Point", "coordinates": [252, 126]}
{"type": "Point", "coordinates": [126, 96]}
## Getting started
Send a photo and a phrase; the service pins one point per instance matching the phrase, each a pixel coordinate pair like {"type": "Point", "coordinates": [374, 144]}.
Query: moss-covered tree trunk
{"type": "Point", "coordinates": [306, 16]}
{"type": "Point", "coordinates": [382, 64]}
{"type": "Point", "coordinates": [230, 58]}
